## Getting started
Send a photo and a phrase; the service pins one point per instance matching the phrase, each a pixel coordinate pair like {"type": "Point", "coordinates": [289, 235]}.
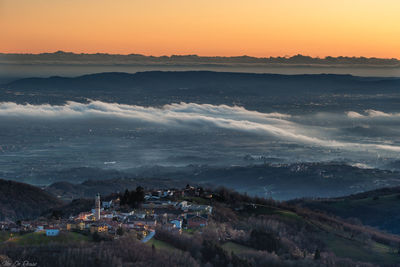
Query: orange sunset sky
{"type": "Point", "coordinates": [205, 27]}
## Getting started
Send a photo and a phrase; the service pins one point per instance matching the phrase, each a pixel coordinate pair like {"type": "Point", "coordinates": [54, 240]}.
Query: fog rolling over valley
{"type": "Point", "coordinates": [261, 134]}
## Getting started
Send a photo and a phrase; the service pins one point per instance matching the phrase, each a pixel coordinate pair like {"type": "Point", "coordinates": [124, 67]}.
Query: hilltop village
{"type": "Point", "coordinates": [138, 210]}
{"type": "Point", "coordinates": [192, 227]}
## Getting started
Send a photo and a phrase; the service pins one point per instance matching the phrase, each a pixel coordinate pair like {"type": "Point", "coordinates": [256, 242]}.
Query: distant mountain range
{"type": "Point", "coordinates": [262, 92]}
{"type": "Point", "coordinates": [62, 57]}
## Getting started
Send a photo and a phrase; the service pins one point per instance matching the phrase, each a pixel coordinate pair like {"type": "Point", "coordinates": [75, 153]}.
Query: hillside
{"type": "Point", "coordinates": [241, 231]}
{"type": "Point", "coordinates": [303, 231]}
{"type": "Point", "coordinates": [379, 208]}
{"type": "Point", "coordinates": [288, 181]}
{"type": "Point", "coordinates": [20, 201]}
{"type": "Point", "coordinates": [90, 188]}
{"type": "Point", "coordinates": [74, 175]}
{"type": "Point", "coordinates": [279, 181]}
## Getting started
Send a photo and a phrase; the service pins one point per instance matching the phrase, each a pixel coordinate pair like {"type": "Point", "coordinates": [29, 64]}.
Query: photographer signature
{"type": "Point", "coordinates": [18, 263]}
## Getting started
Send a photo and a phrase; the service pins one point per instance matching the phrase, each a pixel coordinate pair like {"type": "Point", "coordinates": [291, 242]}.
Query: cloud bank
{"type": "Point", "coordinates": [373, 114]}
{"type": "Point", "coordinates": [316, 130]}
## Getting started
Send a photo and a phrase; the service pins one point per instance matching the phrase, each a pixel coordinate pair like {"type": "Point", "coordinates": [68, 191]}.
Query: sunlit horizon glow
{"type": "Point", "coordinates": [260, 28]}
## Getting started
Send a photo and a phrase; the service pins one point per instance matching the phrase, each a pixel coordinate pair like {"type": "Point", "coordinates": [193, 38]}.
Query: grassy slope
{"type": "Point", "coordinates": [374, 252]}
{"type": "Point", "coordinates": [41, 238]}
{"type": "Point", "coordinates": [378, 210]}
{"type": "Point", "coordinates": [4, 236]}
{"type": "Point", "coordinates": [236, 248]}
{"type": "Point", "coordinates": [158, 244]}
{"type": "Point", "coordinates": [338, 241]}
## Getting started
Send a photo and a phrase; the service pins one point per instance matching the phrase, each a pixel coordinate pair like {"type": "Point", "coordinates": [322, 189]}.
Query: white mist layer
{"type": "Point", "coordinates": [175, 116]}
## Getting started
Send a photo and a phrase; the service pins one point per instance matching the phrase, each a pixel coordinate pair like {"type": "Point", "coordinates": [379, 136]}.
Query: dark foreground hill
{"type": "Point", "coordinates": [379, 208]}
{"type": "Point", "coordinates": [20, 201]}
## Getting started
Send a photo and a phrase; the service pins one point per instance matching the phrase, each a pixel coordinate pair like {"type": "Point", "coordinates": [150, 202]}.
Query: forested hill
{"type": "Point", "coordinates": [20, 201]}
{"type": "Point", "coordinates": [378, 208]}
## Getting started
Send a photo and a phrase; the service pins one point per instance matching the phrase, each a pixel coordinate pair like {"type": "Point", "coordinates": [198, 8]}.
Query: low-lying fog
{"type": "Point", "coordinates": [118, 136]}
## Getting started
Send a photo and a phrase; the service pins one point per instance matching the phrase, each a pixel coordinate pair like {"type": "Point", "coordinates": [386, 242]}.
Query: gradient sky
{"type": "Point", "coordinates": [204, 27]}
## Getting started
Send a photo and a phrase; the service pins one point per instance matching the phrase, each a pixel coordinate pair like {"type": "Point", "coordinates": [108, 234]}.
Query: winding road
{"type": "Point", "coordinates": [149, 236]}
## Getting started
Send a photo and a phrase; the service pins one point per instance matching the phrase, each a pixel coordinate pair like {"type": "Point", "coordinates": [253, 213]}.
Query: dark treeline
{"type": "Point", "coordinates": [207, 250]}
{"type": "Point", "coordinates": [132, 198]}
{"type": "Point", "coordinates": [126, 251]}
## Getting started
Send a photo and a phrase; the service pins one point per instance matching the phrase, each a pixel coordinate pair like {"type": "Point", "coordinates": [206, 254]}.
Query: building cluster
{"type": "Point", "coordinates": [172, 209]}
